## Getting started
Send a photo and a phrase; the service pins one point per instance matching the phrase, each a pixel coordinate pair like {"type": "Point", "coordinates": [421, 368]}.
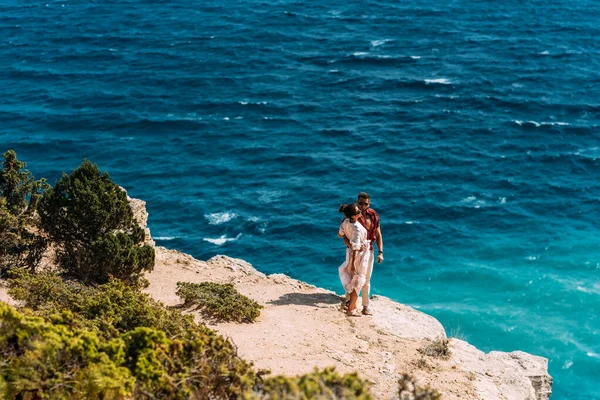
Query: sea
{"type": "Point", "coordinates": [473, 125]}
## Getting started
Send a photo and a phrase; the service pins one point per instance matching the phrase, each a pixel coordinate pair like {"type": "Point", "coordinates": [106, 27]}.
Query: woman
{"type": "Point", "coordinates": [353, 270]}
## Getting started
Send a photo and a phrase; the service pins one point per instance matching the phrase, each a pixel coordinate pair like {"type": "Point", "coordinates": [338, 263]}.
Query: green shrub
{"type": "Point", "coordinates": [221, 302]}
{"type": "Point", "coordinates": [409, 390]}
{"type": "Point", "coordinates": [90, 219]}
{"type": "Point", "coordinates": [18, 186]}
{"type": "Point", "coordinates": [20, 245]}
{"type": "Point", "coordinates": [325, 384]}
{"type": "Point", "coordinates": [53, 360]}
{"type": "Point", "coordinates": [437, 348]}
{"type": "Point", "coordinates": [168, 354]}
{"type": "Point", "coordinates": [109, 309]}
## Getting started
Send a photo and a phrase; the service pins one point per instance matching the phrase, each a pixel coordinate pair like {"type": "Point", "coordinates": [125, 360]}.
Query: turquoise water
{"type": "Point", "coordinates": [245, 124]}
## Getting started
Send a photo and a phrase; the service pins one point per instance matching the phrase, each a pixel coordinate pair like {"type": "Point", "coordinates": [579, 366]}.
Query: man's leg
{"type": "Point", "coordinates": [367, 288]}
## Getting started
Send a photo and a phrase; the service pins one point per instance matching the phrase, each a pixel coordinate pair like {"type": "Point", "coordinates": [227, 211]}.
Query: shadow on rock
{"type": "Point", "coordinates": [307, 299]}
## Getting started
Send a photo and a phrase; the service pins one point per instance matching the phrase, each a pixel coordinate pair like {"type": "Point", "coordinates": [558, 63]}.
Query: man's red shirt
{"type": "Point", "coordinates": [371, 233]}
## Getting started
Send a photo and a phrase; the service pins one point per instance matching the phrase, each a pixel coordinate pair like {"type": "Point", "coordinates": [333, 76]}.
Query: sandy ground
{"type": "Point", "coordinates": [302, 327]}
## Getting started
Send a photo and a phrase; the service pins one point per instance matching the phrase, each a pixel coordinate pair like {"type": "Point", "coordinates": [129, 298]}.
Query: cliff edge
{"type": "Point", "coordinates": [302, 327]}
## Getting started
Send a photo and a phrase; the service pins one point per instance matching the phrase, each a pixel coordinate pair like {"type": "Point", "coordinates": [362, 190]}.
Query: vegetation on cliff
{"type": "Point", "coordinates": [90, 221]}
{"type": "Point", "coordinates": [87, 331]}
{"type": "Point", "coordinates": [20, 244]}
{"type": "Point", "coordinates": [221, 302]}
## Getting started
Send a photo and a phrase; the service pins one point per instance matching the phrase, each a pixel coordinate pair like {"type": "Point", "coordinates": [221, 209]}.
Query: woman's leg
{"type": "Point", "coordinates": [353, 301]}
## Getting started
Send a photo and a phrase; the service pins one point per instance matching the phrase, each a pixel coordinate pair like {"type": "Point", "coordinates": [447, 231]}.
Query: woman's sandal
{"type": "Point", "coordinates": [345, 304]}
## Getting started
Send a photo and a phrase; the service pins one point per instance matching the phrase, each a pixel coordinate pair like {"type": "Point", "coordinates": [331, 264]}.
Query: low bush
{"type": "Point", "coordinates": [53, 360]}
{"type": "Point", "coordinates": [166, 353]}
{"type": "Point", "coordinates": [408, 389]}
{"type": "Point", "coordinates": [109, 309]}
{"type": "Point", "coordinates": [437, 348]}
{"type": "Point", "coordinates": [318, 385]}
{"type": "Point", "coordinates": [221, 302]}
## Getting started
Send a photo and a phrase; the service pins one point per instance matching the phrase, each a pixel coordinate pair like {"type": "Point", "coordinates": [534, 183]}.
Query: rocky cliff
{"type": "Point", "coordinates": [302, 327]}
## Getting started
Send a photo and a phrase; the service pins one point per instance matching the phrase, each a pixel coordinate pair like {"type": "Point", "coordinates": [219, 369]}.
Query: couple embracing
{"type": "Point", "coordinates": [359, 229]}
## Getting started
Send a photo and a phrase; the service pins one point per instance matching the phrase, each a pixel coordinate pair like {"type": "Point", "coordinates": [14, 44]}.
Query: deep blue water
{"type": "Point", "coordinates": [244, 125]}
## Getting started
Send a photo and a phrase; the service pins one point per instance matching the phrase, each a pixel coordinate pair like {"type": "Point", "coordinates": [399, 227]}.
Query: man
{"type": "Point", "coordinates": [370, 220]}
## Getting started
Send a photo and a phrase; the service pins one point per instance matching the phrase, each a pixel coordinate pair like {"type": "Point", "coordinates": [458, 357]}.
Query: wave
{"type": "Point", "coordinates": [258, 103]}
{"type": "Point", "coordinates": [472, 201]}
{"type": "Point", "coordinates": [222, 240]}
{"type": "Point", "coordinates": [377, 43]}
{"type": "Point", "coordinates": [220, 218]}
{"type": "Point", "coordinates": [441, 81]}
{"type": "Point", "coordinates": [165, 238]}
{"type": "Point", "coordinates": [538, 124]}
{"type": "Point", "coordinates": [366, 58]}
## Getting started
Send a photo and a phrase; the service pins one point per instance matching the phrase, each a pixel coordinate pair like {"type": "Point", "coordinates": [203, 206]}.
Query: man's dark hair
{"type": "Point", "coordinates": [364, 195]}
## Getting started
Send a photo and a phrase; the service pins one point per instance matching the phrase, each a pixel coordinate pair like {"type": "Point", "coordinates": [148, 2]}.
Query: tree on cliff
{"type": "Point", "coordinates": [89, 218]}
{"type": "Point", "coordinates": [20, 245]}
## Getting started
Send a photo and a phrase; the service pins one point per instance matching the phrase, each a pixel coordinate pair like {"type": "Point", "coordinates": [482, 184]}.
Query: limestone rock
{"type": "Point", "coordinates": [141, 216]}
{"type": "Point", "coordinates": [402, 321]}
{"type": "Point", "coordinates": [499, 375]}
{"type": "Point", "coordinates": [234, 264]}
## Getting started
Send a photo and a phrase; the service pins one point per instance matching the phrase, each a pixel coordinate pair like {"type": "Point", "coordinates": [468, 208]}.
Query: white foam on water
{"type": "Point", "coordinates": [556, 123]}
{"type": "Point", "coordinates": [360, 53]}
{"type": "Point", "coordinates": [222, 240]}
{"type": "Point", "coordinates": [532, 258]}
{"type": "Point", "coordinates": [544, 53]}
{"type": "Point", "coordinates": [220, 218]}
{"type": "Point", "coordinates": [592, 354]}
{"type": "Point", "coordinates": [415, 57]}
{"type": "Point", "coordinates": [441, 81]}
{"type": "Point", "coordinates": [376, 43]}
{"type": "Point", "coordinates": [595, 289]}
{"type": "Point", "coordinates": [333, 71]}
{"type": "Point", "coordinates": [538, 124]}
{"type": "Point", "coordinates": [226, 118]}
{"type": "Point", "coordinates": [253, 219]}
{"type": "Point", "coordinates": [568, 364]}
{"type": "Point", "coordinates": [472, 201]}
{"type": "Point", "coordinates": [165, 238]}
{"type": "Point", "coordinates": [240, 117]}
{"type": "Point", "coordinates": [244, 103]}
{"type": "Point", "coordinates": [521, 123]}
{"type": "Point", "coordinates": [502, 200]}
{"type": "Point", "coordinates": [411, 222]}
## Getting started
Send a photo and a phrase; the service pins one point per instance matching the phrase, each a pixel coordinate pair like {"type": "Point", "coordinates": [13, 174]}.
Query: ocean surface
{"type": "Point", "coordinates": [244, 124]}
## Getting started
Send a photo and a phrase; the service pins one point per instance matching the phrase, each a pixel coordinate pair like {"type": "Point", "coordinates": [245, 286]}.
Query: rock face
{"type": "Point", "coordinates": [141, 216]}
{"type": "Point", "coordinates": [498, 375]}
{"type": "Point", "coordinates": [302, 327]}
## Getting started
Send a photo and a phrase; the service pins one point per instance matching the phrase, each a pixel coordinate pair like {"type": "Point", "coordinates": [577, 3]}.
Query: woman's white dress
{"type": "Point", "coordinates": [357, 234]}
